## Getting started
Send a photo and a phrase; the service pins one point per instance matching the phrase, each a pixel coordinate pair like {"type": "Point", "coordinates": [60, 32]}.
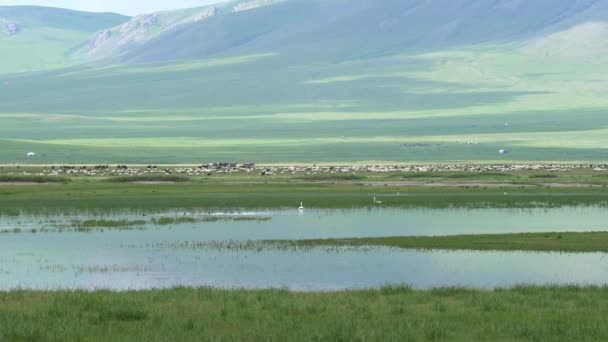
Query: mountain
{"type": "Point", "coordinates": [39, 38]}
{"type": "Point", "coordinates": [331, 30]}
{"type": "Point", "coordinates": [584, 42]}
{"type": "Point", "coordinates": [310, 81]}
{"type": "Point", "coordinates": [342, 29]}
{"type": "Point", "coordinates": [142, 29]}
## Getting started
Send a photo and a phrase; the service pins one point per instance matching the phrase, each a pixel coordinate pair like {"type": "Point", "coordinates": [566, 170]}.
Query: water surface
{"type": "Point", "coordinates": [163, 256]}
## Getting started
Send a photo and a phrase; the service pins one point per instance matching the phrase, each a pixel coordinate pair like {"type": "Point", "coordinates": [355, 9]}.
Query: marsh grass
{"type": "Point", "coordinates": [5, 178]}
{"type": "Point", "coordinates": [558, 242]}
{"type": "Point", "coordinates": [164, 221]}
{"type": "Point", "coordinates": [236, 219]}
{"type": "Point", "coordinates": [539, 242]}
{"type": "Point", "coordinates": [544, 175]}
{"type": "Point", "coordinates": [101, 225]}
{"type": "Point", "coordinates": [332, 177]}
{"type": "Point", "coordinates": [149, 178]}
{"type": "Point", "coordinates": [391, 313]}
{"type": "Point", "coordinates": [107, 223]}
{"type": "Point", "coordinates": [450, 175]}
{"type": "Point", "coordinates": [103, 197]}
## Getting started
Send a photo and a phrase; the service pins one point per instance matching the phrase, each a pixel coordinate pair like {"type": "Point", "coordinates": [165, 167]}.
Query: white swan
{"type": "Point", "coordinates": [377, 202]}
{"type": "Point", "coordinates": [301, 208]}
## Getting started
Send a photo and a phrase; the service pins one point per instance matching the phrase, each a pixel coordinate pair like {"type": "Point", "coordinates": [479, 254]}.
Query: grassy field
{"type": "Point", "coordinates": [390, 313]}
{"type": "Point", "coordinates": [102, 195]}
{"type": "Point", "coordinates": [557, 242]}
{"type": "Point", "coordinates": [403, 108]}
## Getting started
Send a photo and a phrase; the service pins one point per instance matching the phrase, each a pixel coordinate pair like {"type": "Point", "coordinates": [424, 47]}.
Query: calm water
{"type": "Point", "coordinates": [159, 256]}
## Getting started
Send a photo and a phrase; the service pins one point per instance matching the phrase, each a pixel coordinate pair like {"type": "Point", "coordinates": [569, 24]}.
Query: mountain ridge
{"type": "Point", "coordinates": [332, 30]}
{"type": "Point", "coordinates": [318, 80]}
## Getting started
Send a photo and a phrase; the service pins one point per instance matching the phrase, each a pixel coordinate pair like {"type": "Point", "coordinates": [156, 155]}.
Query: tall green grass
{"type": "Point", "coordinates": [391, 313]}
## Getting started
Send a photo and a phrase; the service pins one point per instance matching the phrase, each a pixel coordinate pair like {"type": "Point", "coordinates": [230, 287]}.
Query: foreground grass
{"type": "Point", "coordinates": [390, 313]}
{"type": "Point", "coordinates": [558, 242]}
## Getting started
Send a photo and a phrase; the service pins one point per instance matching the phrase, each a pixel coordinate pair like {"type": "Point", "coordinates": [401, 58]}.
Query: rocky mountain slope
{"type": "Point", "coordinates": [342, 29]}
{"type": "Point", "coordinates": [40, 38]}
{"type": "Point", "coordinates": [8, 27]}
{"type": "Point", "coordinates": [329, 30]}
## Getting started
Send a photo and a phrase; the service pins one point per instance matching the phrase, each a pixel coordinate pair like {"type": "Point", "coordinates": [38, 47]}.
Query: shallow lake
{"type": "Point", "coordinates": [168, 255]}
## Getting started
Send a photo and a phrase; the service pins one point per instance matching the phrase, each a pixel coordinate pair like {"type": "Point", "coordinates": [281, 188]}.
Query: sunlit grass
{"type": "Point", "coordinates": [390, 313]}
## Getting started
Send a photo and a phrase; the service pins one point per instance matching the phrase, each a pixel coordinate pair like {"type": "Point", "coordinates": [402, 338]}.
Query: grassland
{"type": "Point", "coordinates": [156, 192]}
{"type": "Point", "coordinates": [404, 108]}
{"type": "Point", "coordinates": [540, 242]}
{"type": "Point", "coordinates": [390, 313]}
{"type": "Point", "coordinates": [102, 196]}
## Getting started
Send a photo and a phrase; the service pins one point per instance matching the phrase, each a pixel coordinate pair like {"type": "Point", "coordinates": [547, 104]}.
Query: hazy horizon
{"type": "Point", "coordinates": [116, 6]}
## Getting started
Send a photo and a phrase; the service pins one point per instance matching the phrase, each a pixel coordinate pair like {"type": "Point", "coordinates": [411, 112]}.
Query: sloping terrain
{"type": "Point", "coordinates": [41, 38]}
{"type": "Point", "coordinates": [111, 43]}
{"type": "Point", "coordinates": [323, 81]}
{"type": "Point", "coordinates": [350, 29]}
{"type": "Point", "coordinates": [583, 43]}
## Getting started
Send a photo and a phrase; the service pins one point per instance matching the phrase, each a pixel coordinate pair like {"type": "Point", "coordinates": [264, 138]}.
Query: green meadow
{"type": "Point", "coordinates": [391, 313]}
{"type": "Point", "coordinates": [461, 105]}
{"type": "Point", "coordinates": [108, 196]}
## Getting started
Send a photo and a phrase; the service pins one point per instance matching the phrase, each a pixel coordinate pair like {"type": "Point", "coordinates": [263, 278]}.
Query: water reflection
{"type": "Point", "coordinates": [371, 222]}
{"type": "Point", "coordinates": [155, 256]}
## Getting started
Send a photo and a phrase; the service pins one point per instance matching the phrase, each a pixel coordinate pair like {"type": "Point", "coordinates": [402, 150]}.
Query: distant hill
{"type": "Point", "coordinates": [35, 38]}
{"type": "Point", "coordinates": [584, 42]}
{"type": "Point", "coordinates": [308, 81]}
{"type": "Point", "coordinates": [340, 29]}
{"type": "Point", "coordinates": [40, 38]}
{"type": "Point", "coordinates": [141, 30]}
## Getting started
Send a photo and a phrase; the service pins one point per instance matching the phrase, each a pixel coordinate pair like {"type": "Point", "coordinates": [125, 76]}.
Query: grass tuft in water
{"type": "Point", "coordinates": [164, 221]}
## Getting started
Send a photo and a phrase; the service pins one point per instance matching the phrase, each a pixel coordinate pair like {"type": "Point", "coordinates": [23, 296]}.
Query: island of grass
{"type": "Point", "coordinates": [540, 242]}
{"type": "Point", "coordinates": [392, 313]}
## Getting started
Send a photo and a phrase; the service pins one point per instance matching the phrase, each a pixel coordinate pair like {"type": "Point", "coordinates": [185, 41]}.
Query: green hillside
{"type": "Point", "coordinates": [43, 38]}
{"type": "Point", "coordinates": [340, 30]}
{"type": "Point", "coordinates": [328, 81]}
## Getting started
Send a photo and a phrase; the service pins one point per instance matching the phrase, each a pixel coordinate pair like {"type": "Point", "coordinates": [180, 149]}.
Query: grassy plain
{"type": "Point", "coordinates": [405, 108]}
{"type": "Point", "coordinates": [396, 313]}
{"type": "Point", "coordinates": [103, 195]}
{"type": "Point", "coordinates": [34, 192]}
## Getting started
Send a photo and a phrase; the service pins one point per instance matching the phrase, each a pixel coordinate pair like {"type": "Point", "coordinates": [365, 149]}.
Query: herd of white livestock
{"type": "Point", "coordinates": [230, 168]}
